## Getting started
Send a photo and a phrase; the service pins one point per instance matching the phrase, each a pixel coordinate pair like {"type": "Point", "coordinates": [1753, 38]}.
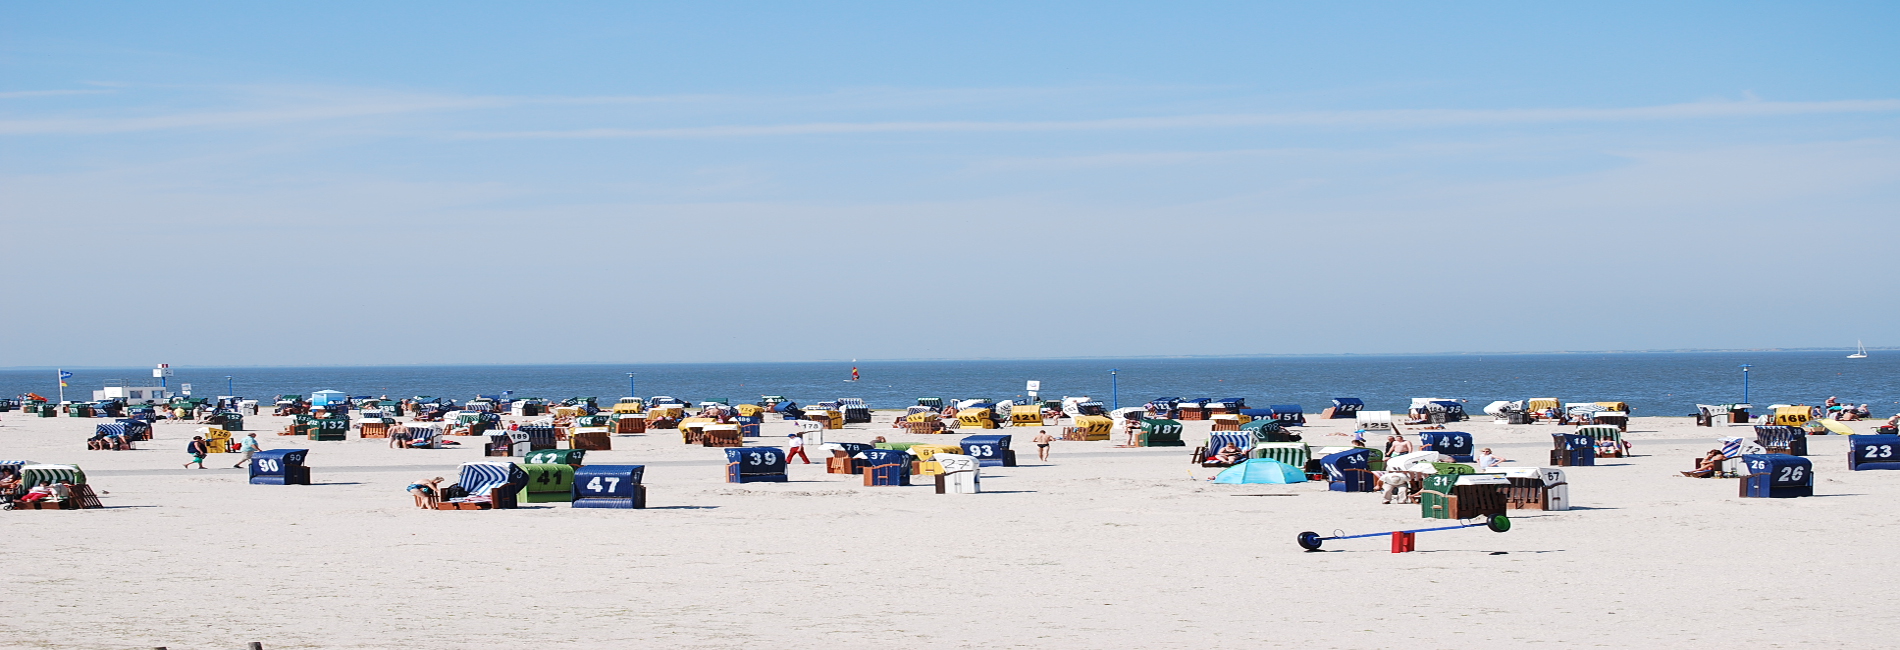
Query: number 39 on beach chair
{"type": "Point", "coordinates": [755, 464]}
{"type": "Point", "coordinates": [610, 486]}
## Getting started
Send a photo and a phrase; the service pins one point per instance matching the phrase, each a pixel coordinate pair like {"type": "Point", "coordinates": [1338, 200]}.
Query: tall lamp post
{"type": "Point", "coordinates": [1745, 368]}
{"type": "Point", "coordinates": [1114, 389]}
{"type": "Point", "coordinates": [630, 391]}
{"type": "Point", "coordinates": [227, 386]}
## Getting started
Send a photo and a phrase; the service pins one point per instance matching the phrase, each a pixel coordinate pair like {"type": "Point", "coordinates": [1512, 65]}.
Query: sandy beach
{"type": "Point", "coordinates": [1102, 547]}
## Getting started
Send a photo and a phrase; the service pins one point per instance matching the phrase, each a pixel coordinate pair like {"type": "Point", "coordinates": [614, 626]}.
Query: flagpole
{"type": "Point", "coordinates": [60, 374]}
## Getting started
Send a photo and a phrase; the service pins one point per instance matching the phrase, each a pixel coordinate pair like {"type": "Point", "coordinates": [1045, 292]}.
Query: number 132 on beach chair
{"type": "Point", "coordinates": [755, 464]}
{"type": "Point", "coordinates": [610, 486]}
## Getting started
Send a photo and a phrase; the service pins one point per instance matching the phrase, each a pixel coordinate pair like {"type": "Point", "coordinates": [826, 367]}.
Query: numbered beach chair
{"type": "Point", "coordinates": [1159, 433]}
{"type": "Point", "coordinates": [1456, 444]}
{"type": "Point", "coordinates": [280, 467]}
{"type": "Point", "coordinates": [755, 465]}
{"type": "Point", "coordinates": [1268, 429]}
{"type": "Point", "coordinates": [1344, 408]}
{"type": "Point", "coordinates": [989, 450]}
{"type": "Point", "coordinates": [1225, 406]}
{"type": "Point", "coordinates": [1090, 427]}
{"type": "Point", "coordinates": [886, 467]}
{"type": "Point", "coordinates": [845, 457]}
{"type": "Point", "coordinates": [569, 457]}
{"type": "Point", "coordinates": [1462, 496]}
{"type": "Point", "coordinates": [1348, 471]}
{"type": "Point", "coordinates": [547, 483]}
{"type": "Point", "coordinates": [1782, 439]}
{"type": "Point", "coordinates": [488, 485]}
{"type": "Point", "coordinates": [1191, 409]}
{"type": "Point", "coordinates": [1573, 450]}
{"type": "Point", "coordinates": [1535, 488]}
{"type": "Point", "coordinates": [610, 486]}
{"type": "Point", "coordinates": [629, 423]}
{"type": "Point", "coordinates": [416, 436]}
{"type": "Point", "coordinates": [722, 435]}
{"type": "Point", "coordinates": [975, 418]}
{"type": "Point", "coordinates": [32, 474]}
{"type": "Point", "coordinates": [1873, 452]}
{"type": "Point", "coordinates": [1601, 433]}
{"type": "Point", "coordinates": [1025, 415]}
{"type": "Point", "coordinates": [1777, 476]}
{"type": "Point", "coordinates": [1375, 422]}
{"type": "Point", "coordinates": [961, 474]}
{"type": "Point", "coordinates": [1289, 415]}
{"type": "Point", "coordinates": [1793, 416]}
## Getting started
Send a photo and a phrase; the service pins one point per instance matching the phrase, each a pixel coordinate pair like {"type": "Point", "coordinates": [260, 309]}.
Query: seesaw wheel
{"type": "Point", "coordinates": [1499, 523]}
{"type": "Point", "coordinates": [1309, 540]}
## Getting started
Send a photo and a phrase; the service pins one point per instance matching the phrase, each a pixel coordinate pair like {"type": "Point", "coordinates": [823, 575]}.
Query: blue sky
{"type": "Point", "coordinates": [243, 183]}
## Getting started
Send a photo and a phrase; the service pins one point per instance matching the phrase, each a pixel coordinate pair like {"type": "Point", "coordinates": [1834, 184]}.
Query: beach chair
{"type": "Point", "coordinates": [722, 435]}
{"type": "Point", "coordinates": [755, 464]}
{"type": "Point", "coordinates": [539, 437]}
{"type": "Point", "coordinates": [1207, 455]}
{"type": "Point", "coordinates": [1573, 450]}
{"type": "Point", "coordinates": [813, 432]}
{"type": "Point", "coordinates": [1191, 409]}
{"type": "Point", "coordinates": [1289, 415]}
{"type": "Point", "coordinates": [934, 403]}
{"type": "Point", "coordinates": [989, 450]}
{"type": "Point", "coordinates": [629, 423]}
{"type": "Point", "coordinates": [844, 457]}
{"type": "Point", "coordinates": [1269, 430]}
{"type": "Point", "coordinates": [1601, 433]}
{"type": "Point", "coordinates": [1159, 433]}
{"type": "Point", "coordinates": [1873, 452]}
{"type": "Point", "coordinates": [1374, 422]}
{"type": "Point", "coordinates": [1025, 415]}
{"type": "Point", "coordinates": [854, 410]}
{"type": "Point", "coordinates": [975, 418]}
{"type": "Point", "coordinates": [547, 483]}
{"type": "Point", "coordinates": [1225, 406]}
{"type": "Point", "coordinates": [1348, 471]}
{"type": "Point", "coordinates": [1462, 496]}
{"type": "Point", "coordinates": [1534, 488]}
{"type": "Point", "coordinates": [693, 430]}
{"type": "Point", "coordinates": [1777, 476]}
{"type": "Point", "coordinates": [1291, 453]}
{"type": "Point", "coordinates": [1456, 444]}
{"type": "Point", "coordinates": [594, 438]}
{"type": "Point", "coordinates": [886, 467]}
{"type": "Point", "coordinates": [609, 486]}
{"type": "Point", "coordinates": [279, 467]}
{"type": "Point", "coordinates": [487, 485]}
{"type": "Point", "coordinates": [960, 474]}
{"type": "Point", "coordinates": [1090, 427]}
{"type": "Point", "coordinates": [1782, 439]}
{"type": "Point", "coordinates": [1343, 408]}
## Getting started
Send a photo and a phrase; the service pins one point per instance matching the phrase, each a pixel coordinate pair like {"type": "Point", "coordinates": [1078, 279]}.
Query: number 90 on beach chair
{"type": "Point", "coordinates": [755, 465]}
{"type": "Point", "coordinates": [280, 467]}
{"type": "Point", "coordinates": [610, 486]}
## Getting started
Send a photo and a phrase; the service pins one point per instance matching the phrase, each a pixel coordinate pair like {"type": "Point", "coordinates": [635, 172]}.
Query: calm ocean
{"type": "Point", "coordinates": [1653, 383]}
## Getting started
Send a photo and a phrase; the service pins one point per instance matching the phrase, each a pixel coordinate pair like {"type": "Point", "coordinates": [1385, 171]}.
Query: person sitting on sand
{"type": "Point", "coordinates": [1707, 465]}
{"type": "Point", "coordinates": [38, 492]}
{"type": "Point", "coordinates": [427, 493]}
{"type": "Point", "coordinates": [1230, 454]}
{"type": "Point", "coordinates": [1400, 446]}
{"type": "Point", "coordinates": [1487, 460]}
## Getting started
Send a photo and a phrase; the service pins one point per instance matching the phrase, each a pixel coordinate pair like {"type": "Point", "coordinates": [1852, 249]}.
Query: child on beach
{"type": "Point", "coordinates": [197, 448]}
{"type": "Point", "coordinates": [795, 446]}
{"type": "Point", "coordinates": [1042, 441]}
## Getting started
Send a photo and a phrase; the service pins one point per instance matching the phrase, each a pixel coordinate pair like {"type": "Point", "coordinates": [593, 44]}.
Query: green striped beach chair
{"type": "Point", "coordinates": [1291, 453]}
{"type": "Point", "coordinates": [1601, 433]}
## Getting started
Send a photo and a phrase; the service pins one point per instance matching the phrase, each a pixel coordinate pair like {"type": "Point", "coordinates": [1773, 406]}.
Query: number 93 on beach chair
{"type": "Point", "coordinates": [610, 486]}
{"type": "Point", "coordinates": [989, 450]}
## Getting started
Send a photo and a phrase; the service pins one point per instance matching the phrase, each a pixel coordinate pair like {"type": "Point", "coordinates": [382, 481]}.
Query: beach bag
{"type": "Point", "coordinates": [454, 491]}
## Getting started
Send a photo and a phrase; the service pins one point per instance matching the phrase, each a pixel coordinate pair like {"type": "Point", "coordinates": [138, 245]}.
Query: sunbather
{"type": "Point", "coordinates": [39, 492]}
{"type": "Point", "coordinates": [1230, 454]}
{"type": "Point", "coordinates": [1707, 465]}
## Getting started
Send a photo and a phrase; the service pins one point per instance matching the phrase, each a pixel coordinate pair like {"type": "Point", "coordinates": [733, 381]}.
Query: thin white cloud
{"type": "Point", "coordinates": [21, 94]}
{"type": "Point", "coordinates": [1397, 118]}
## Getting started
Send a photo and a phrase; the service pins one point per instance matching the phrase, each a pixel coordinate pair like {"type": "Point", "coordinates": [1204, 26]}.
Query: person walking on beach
{"type": "Point", "coordinates": [795, 446]}
{"type": "Point", "coordinates": [1042, 441]}
{"type": "Point", "coordinates": [197, 448]}
{"type": "Point", "coordinates": [248, 447]}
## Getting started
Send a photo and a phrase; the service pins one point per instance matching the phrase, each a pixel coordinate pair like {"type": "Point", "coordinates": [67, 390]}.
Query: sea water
{"type": "Point", "coordinates": [1653, 383]}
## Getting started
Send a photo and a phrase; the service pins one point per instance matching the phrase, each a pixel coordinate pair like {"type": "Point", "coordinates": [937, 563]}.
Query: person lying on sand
{"type": "Point", "coordinates": [1707, 465]}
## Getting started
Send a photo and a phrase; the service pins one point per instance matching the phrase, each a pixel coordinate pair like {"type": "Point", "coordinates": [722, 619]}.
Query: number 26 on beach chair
{"type": "Point", "coordinates": [1777, 476]}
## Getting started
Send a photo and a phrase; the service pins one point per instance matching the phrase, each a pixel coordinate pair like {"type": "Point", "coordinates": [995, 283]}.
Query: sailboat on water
{"type": "Point", "coordinates": [1861, 352]}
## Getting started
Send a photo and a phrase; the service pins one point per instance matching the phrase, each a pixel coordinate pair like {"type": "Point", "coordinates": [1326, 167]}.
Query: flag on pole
{"type": "Point", "coordinates": [63, 376]}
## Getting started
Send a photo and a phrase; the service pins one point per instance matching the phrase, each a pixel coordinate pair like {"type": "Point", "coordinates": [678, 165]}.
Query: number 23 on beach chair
{"type": "Point", "coordinates": [1873, 452]}
{"type": "Point", "coordinates": [755, 464]}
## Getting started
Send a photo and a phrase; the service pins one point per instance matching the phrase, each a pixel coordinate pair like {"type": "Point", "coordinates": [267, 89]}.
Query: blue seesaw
{"type": "Point", "coordinates": [1403, 541]}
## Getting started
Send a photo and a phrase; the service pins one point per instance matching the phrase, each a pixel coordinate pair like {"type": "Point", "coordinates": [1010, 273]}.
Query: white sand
{"type": "Point", "coordinates": [1107, 547]}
